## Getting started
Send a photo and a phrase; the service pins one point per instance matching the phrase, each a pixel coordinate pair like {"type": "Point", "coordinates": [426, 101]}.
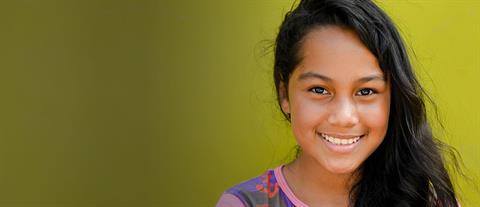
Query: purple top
{"type": "Point", "coordinates": [269, 189]}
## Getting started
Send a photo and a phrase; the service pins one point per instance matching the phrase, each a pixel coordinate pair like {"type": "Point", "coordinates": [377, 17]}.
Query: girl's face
{"type": "Point", "coordinates": [338, 99]}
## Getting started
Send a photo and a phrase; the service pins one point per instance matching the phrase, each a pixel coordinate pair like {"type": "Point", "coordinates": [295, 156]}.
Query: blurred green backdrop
{"type": "Point", "coordinates": [168, 103]}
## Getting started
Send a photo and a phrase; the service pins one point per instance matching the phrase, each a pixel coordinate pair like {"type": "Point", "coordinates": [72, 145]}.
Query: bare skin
{"type": "Point", "coordinates": [337, 90]}
{"type": "Point", "coordinates": [313, 190]}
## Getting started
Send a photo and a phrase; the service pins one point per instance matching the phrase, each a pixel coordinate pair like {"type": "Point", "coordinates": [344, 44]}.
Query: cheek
{"type": "Point", "coordinates": [307, 115]}
{"type": "Point", "coordinates": [375, 115]}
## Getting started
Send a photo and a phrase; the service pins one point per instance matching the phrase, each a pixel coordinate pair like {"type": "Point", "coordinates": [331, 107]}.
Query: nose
{"type": "Point", "coordinates": [344, 113]}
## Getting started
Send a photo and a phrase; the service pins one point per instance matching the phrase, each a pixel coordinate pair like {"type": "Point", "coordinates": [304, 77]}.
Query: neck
{"type": "Point", "coordinates": [313, 183]}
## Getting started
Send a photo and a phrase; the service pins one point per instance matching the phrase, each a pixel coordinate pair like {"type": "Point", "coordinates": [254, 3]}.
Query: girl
{"type": "Point", "coordinates": [346, 85]}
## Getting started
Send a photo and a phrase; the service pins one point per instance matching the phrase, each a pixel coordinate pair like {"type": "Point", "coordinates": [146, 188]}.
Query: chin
{"type": "Point", "coordinates": [342, 169]}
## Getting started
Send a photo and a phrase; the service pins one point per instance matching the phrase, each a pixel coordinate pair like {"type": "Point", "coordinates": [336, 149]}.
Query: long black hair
{"type": "Point", "coordinates": [408, 168]}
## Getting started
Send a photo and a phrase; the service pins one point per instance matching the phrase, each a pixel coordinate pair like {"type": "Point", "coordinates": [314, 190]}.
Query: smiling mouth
{"type": "Point", "coordinates": [341, 141]}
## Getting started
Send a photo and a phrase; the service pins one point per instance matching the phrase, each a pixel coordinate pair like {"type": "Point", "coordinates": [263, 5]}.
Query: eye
{"type": "Point", "coordinates": [366, 92]}
{"type": "Point", "coordinates": [319, 90]}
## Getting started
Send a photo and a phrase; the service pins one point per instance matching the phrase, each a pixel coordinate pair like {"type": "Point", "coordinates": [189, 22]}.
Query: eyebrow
{"type": "Point", "coordinates": [309, 75]}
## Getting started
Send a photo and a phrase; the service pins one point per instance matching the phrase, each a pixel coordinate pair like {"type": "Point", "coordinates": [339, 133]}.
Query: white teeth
{"type": "Point", "coordinates": [338, 141]}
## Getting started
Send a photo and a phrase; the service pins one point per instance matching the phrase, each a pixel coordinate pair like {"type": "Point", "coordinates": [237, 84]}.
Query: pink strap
{"type": "Point", "coordinates": [284, 186]}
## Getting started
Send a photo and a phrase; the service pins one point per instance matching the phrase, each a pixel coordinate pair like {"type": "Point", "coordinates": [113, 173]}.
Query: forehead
{"type": "Point", "coordinates": [337, 53]}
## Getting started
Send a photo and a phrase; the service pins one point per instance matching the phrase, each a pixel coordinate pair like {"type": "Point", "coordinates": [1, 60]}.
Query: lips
{"type": "Point", "coordinates": [341, 139]}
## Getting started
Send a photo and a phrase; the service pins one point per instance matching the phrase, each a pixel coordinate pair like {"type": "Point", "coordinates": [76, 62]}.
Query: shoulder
{"type": "Point", "coordinates": [254, 184]}
{"type": "Point", "coordinates": [229, 200]}
{"type": "Point", "coordinates": [259, 190]}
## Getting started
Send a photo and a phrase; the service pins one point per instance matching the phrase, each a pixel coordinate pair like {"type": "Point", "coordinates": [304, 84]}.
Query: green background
{"type": "Point", "coordinates": [169, 103]}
